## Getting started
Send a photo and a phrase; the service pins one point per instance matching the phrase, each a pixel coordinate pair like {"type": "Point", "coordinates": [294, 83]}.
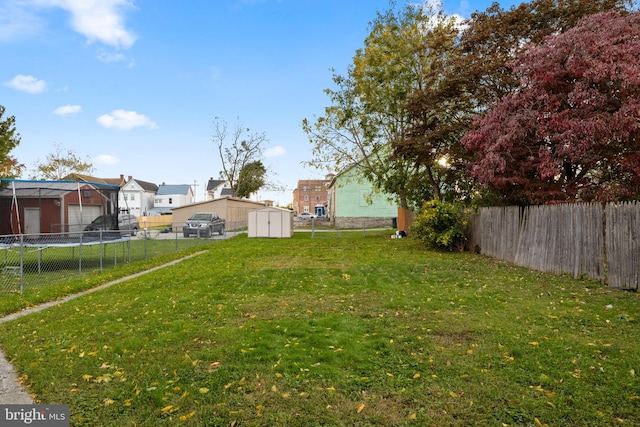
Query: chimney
{"type": "Point", "coordinates": [130, 177]}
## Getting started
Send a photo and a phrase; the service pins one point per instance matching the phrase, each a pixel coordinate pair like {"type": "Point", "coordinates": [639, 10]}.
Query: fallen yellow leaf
{"type": "Point", "coordinates": [360, 407]}
{"type": "Point", "coordinates": [166, 408]}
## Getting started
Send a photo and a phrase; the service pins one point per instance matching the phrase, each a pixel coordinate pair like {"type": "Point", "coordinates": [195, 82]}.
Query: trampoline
{"type": "Point", "coordinates": [37, 216]}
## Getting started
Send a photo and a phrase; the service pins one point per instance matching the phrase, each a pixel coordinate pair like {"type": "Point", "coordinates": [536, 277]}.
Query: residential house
{"type": "Point", "coordinates": [311, 196]}
{"type": "Point", "coordinates": [353, 202]}
{"type": "Point", "coordinates": [137, 197]}
{"type": "Point", "coordinates": [171, 196]}
{"type": "Point", "coordinates": [217, 189]}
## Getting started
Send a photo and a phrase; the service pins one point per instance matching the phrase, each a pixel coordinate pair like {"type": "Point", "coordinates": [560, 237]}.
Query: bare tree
{"type": "Point", "coordinates": [237, 148]}
{"type": "Point", "coordinates": [59, 164]}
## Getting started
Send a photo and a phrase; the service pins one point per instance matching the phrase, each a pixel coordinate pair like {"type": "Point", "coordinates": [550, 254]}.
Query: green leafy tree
{"type": "Point", "coordinates": [61, 163]}
{"type": "Point", "coordinates": [251, 179]}
{"type": "Point", "coordinates": [368, 111]}
{"type": "Point", "coordinates": [9, 139]}
{"type": "Point", "coordinates": [237, 149]}
{"type": "Point", "coordinates": [11, 168]}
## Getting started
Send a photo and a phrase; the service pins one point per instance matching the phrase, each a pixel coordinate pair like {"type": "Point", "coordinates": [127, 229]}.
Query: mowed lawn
{"type": "Point", "coordinates": [338, 329]}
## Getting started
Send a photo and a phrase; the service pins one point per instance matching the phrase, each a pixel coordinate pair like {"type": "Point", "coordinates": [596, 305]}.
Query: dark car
{"type": "Point", "coordinates": [204, 224]}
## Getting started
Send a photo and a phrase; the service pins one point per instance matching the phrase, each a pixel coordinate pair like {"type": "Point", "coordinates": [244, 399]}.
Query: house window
{"type": "Point", "coordinates": [305, 188]}
{"type": "Point", "coordinates": [317, 198]}
{"type": "Point", "coordinates": [170, 200]}
{"type": "Point", "coordinates": [133, 197]}
{"type": "Point", "coordinates": [306, 198]}
{"type": "Point", "coordinates": [124, 196]}
{"type": "Point", "coordinates": [157, 201]}
{"type": "Point", "coordinates": [318, 188]}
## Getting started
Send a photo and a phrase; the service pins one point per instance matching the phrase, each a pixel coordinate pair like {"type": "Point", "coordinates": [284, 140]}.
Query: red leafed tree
{"type": "Point", "coordinates": [571, 132]}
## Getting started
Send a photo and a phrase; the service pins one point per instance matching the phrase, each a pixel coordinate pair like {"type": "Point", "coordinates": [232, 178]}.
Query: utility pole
{"type": "Point", "coordinates": [195, 184]}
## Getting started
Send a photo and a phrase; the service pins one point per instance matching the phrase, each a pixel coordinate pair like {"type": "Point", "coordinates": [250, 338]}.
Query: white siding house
{"type": "Point", "coordinates": [172, 196]}
{"type": "Point", "coordinates": [137, 197]}
{"type": "Point", "coordinates": [217, 189]}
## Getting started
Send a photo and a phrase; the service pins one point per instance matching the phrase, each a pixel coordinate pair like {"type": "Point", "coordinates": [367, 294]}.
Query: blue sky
{"type": "Point", "coordinates": [134, 85]}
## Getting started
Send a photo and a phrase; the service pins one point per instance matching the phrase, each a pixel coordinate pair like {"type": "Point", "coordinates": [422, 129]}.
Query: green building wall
{"type": "Point", "coordinates": [352, 196]}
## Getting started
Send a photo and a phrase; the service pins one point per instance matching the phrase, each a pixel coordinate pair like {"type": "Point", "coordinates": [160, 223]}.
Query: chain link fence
{"type": "Point", "coordinates": [37, 260]}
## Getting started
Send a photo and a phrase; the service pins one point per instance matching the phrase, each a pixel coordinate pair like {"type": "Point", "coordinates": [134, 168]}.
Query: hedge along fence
{"type": "Point", "coordinates": [581, 239]}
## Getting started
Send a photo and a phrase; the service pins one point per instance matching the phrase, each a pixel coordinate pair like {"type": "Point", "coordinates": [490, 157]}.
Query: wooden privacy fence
{"type": "Point", "coordinates": [581, 239]}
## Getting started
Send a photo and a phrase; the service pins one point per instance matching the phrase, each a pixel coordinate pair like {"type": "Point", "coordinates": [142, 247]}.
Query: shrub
{"type": "Point", "coordinates": [441, 225]}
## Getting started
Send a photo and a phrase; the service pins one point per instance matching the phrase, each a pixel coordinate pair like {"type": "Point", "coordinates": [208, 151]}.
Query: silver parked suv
{"type": "Point", "coordinates": [127, 224]}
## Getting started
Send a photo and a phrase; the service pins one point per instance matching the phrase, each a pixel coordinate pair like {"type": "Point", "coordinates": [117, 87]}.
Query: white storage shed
{"type": "Point", "coordinates": [270, 222]}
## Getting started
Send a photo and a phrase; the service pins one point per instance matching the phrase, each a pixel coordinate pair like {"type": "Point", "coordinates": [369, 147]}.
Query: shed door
{"type": "Point", "coordinates": [268, 224]}
{"type": "Point", "coordinates": [262, 224]}
{"type": "Point", "coordinates": [32, 221]}
{"type": "Point", "coordinates": [275, 224]}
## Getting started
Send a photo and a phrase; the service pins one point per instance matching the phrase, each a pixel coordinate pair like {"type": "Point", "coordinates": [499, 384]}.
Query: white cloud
{"type": "Point", "coordinates": [67, 109]}
{"type": "Point", "coordinates": [16, 21]}
{"type": "Point", "coordinates": [97, 20]}
{"type": "Point", "coordinates": [110, 56]}
{"type": "Point", "coordinates": [276, 151]}
{"type": "Point", "coordinates": [27, 84]}
{"type": "Point", "coordinates": [106, 159]}
{"type": "Point", "coordinates": [122, 119]}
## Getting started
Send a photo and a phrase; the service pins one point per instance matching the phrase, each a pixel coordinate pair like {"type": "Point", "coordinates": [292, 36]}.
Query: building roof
{"type": "Point", "coordinates": [165, 189]}
{"type": "Point", "coordinates": [88, 178]}
{"type": "Point", "coordinates": [44, 189]}
{"type": "Point", "coordinates": [214, 183]}
{"type": "Point", "coordinates": [146, 186]}
{"type": "Point", "coordinates": [159, 210]}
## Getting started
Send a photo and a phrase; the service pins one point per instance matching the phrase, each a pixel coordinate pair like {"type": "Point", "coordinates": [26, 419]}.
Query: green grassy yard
{"type": "Point", "coordinates": [338, 329]}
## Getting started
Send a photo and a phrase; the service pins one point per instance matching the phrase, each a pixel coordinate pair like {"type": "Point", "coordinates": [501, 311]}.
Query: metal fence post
{"type": "Point", "coordinates": [21, 262]}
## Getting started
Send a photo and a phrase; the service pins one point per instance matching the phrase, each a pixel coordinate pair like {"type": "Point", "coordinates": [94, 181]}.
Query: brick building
{"type": "Point", "coordinates": [311, 196]}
